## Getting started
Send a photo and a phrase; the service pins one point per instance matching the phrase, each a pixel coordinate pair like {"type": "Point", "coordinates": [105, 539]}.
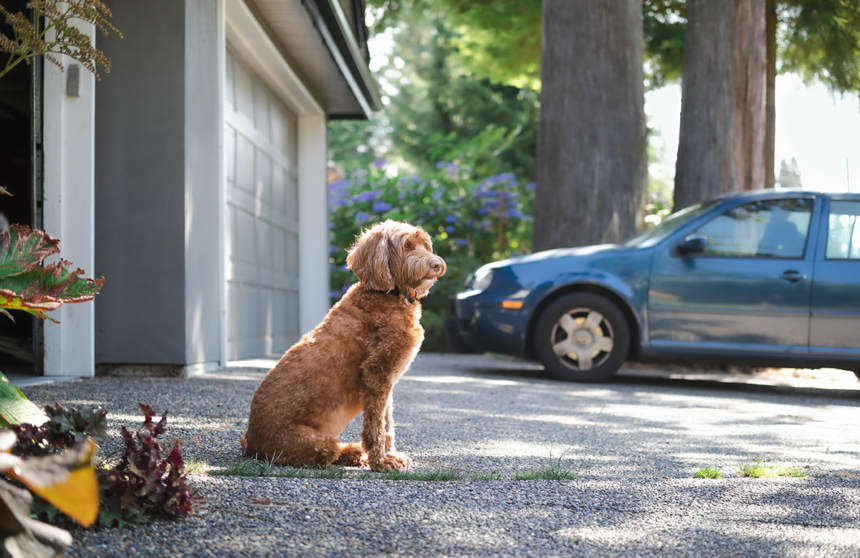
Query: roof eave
{"type": "Point", "coordinates": [335, 31]}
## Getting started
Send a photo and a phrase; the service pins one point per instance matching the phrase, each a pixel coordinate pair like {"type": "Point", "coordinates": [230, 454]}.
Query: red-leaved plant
{"type": "Point", "coordinates": [143, 482]}
{"type": "Point", "coordinates": [140, 485]}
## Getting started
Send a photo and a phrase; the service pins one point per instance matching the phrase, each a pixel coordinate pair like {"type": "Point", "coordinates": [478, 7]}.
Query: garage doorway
{"type": "Point", "coordinates": [20, 174]}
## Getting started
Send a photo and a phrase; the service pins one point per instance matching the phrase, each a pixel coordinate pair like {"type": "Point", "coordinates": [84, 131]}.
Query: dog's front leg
{"type": "Point", "coordinates": [376, 438]}
{"type": "Point", "coordinates": [389, 423]}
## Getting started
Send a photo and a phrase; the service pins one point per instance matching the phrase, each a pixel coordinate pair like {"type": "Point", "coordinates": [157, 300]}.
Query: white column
{"type": "Point", "coordinates": [314, 283]}
{"type": "Point", "coordinates": [69, 168]}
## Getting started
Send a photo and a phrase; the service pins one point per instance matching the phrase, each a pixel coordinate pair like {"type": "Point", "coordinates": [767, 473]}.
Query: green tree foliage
{"type": "Point", "coordinates": [496, 39]}
{"type": "Point", "coordinates": [355, 144]}
{"type": "Point", "coordinates": [664, 24]}
{"type": "Point", "coordinates": [440, 107]}
{"type": "Point", "coordinates": [436, 110]}
{"type": "Point", "coordinates": [821, 41]}
{"type": "Point", "coordinates": [499, 40]}
{"type": "Point", "coordinates": [818, 39]}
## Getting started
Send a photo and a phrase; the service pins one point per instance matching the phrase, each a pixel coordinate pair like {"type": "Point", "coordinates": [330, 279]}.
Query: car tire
{"type": "Point", "coordinates": [594, 331]}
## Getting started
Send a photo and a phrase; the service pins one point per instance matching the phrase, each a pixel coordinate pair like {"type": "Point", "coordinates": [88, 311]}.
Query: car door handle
{"type": "Point", "coordinates": [793, 276]}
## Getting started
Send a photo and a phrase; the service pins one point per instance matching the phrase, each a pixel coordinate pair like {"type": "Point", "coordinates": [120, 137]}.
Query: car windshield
{"type": "Point", "coordinates": [669, 224]}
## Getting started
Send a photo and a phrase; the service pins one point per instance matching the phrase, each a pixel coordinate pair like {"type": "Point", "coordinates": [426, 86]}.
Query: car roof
{"type": "Point", "coordinates": [770, 192]}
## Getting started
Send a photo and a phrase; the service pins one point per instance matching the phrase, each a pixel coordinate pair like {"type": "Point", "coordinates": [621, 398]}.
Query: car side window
{"type": "Point", "coordinates": [843, 231]}
{"type": "Point", "coordinates": [760, 229]}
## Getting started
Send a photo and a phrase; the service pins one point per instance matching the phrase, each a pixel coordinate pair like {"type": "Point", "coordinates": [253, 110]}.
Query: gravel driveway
{"type": "Point", "coordinates": [633, 446]}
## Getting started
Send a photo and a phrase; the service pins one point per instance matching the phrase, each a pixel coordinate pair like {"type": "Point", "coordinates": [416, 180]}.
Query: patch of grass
{"type": "Point", "coordinates": [761, 470]}
{"type": "Point", "coordinates": [708, 473]}
{"type": "Point", "coordinates": [245, 468]}
{"type": "Point", "coordinates": [195, 466]}
{"type": "Point", "coordinates": [256, 468]}
{"type": "Point", "coordinates": [553, 472]}
{"type": "Point", "coordinates": [491, 476]}
{"type": "Point", "coordinates": [443, 475]}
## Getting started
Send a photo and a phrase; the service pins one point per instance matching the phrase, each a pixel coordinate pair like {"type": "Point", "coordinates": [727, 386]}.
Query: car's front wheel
{"type": "Point", "coordinates": [582, 337]}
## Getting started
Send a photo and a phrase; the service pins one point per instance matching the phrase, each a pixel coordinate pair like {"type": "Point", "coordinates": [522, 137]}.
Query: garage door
{"type": "Point", "coordinates": [262, 202]}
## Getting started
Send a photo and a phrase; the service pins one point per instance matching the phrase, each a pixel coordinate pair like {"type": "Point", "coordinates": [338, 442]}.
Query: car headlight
{"type": "Point", "coordinates": [483, 278]}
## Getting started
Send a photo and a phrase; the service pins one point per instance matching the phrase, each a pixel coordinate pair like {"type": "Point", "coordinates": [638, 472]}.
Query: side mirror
{"type": "Point", "coordinates": [693, 244]}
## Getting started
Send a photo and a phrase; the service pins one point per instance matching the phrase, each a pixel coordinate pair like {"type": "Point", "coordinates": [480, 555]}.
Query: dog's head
{"type": "Point", "coordinates": [392, 255]}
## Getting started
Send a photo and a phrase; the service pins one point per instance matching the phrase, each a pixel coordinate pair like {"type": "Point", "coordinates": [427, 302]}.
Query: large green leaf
{"type": "Point", "coordinates": [26, 286]}
{"type": "Point", "coordinates": [15, 408]}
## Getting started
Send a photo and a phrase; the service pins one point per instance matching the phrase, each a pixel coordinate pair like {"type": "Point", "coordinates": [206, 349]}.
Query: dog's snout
{"type": "Point", "coordinates": [438, 266]}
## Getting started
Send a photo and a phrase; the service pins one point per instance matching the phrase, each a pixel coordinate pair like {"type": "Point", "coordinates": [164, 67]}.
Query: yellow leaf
{"type": "Point", "coordinates": [75, 493]}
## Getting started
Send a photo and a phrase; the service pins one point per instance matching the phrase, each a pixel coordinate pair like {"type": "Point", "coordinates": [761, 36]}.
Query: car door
{"type": "Point", "coordinates": [835, 319]}
{"type": "Point", "coordinates": [748, 291]}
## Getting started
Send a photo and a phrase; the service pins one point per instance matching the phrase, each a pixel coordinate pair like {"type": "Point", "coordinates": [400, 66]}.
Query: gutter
{"type": "Point", "coordinates": [334, 28]}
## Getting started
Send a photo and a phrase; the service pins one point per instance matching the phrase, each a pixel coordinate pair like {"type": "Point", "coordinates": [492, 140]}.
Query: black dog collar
{"type": "Point", "coordinates": [409, 294]}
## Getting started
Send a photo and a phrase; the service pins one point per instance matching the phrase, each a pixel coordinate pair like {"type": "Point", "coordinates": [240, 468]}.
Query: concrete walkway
{"type": "Point", "coordinates": [633, 446]}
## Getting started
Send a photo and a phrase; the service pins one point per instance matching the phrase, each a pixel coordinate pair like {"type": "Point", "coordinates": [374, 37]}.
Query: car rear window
{"type": "Point", "coordinates": [843, 230]}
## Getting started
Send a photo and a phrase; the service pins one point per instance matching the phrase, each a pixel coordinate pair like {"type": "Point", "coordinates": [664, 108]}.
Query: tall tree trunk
{"type": "Point", "coordinates": [770, 97]}
{"type": "Point", "coordinates": [591, 162]}
{"type": "Point", "coordinates": [721, 145]}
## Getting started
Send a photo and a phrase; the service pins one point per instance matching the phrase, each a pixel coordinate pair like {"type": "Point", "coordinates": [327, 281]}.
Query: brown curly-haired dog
{"type": "Point", "coordinates": [351, 361]}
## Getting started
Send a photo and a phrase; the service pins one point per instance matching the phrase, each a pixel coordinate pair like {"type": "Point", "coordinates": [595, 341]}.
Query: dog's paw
{"type": "Point", "coordinates": [391, 461]}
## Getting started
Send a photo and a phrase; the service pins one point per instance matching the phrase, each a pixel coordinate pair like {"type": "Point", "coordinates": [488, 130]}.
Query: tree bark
{"type": "Point", "coordinates": [721, 144]}
{"type": "Point", "coordinates": [770, 97]}
{"type": "Point", "coordinates": [591, 161]}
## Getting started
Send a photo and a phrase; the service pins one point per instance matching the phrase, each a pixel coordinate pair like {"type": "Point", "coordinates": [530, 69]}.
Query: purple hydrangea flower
{"type": "Point", "coordinates": [362, 217]}
{"type": "Point", "coordinates": [449, 229]}
{"type": "Point", "coordinates": [380, 206]}
{"type": "Point", "coordinates": [531, 186]}
{"type": "Point", "coordinates": [450, 219]}
{"type": "Point", "coordinates": [334, 294]}
{"type": "Point", "coordinates": [369, 196]}
{"type": "Point", "coordinates": [461, 242]}
{"type": "Point", "coordinates": [379, 163]}
{"type": "Point", "coordinates": [438, 193]}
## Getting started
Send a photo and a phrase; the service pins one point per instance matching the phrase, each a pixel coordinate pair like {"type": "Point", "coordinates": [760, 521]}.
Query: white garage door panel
{"type": "Point", "coordinates": [262, 217]}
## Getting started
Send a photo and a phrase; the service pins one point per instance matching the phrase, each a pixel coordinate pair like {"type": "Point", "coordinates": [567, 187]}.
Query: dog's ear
{"type": "Point", "coordinates": [369, 259]}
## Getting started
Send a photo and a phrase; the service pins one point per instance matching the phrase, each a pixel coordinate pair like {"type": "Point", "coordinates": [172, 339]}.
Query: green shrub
{"type": "Point", "coordinates": [473, 220]}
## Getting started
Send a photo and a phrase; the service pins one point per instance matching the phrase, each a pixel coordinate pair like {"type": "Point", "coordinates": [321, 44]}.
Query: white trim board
{"type": "Point", "coordinates": [68, 199]}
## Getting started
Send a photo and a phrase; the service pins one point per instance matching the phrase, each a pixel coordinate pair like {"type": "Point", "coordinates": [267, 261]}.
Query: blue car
{"type": "Point", "coordinates": [768, 278]}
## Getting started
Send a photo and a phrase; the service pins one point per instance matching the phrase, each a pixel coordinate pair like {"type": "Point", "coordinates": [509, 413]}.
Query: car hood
{"type": "Point", "coordinates": [579, 251]}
